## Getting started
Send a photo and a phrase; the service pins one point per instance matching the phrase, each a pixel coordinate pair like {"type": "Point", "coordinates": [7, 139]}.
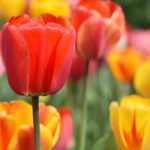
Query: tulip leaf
{"type": "Point", "coordinates": [105, 143]}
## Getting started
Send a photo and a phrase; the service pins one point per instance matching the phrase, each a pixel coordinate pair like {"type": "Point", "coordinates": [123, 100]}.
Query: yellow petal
{"type": "Point", "coordinates": [9, 8]}
{"type": "Point", "coordinates": [22, 111]}
{"type": "Point", "coordinates": [56, 7]}
{"type": "Point", "coordinates": [116, 125]}
{"type": "Point", "coordinates": [54, 127]}
{"type": "Point", "coordinates": [4, 106]}
{"type": "Point", "coordinates": [124, 63]}
{"type": "Point", "coordinates": [146, 138]}
{"type": "Point", "coordinates": [24, 139]}
{"type": "Point", "coordinates": [142, 118]}
{"type": "Point", "coordinates": [134, 101]}
{"type": "Point", "coordinates": [8, 125]}
{"type": "Point", "coordinates": [141, 80]}
{"type": "Point", "coordinates": [50, 117]}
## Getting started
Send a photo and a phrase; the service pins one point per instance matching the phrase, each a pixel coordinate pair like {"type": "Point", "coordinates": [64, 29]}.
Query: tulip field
{"type": "Point", "coordinates": [74, 75]}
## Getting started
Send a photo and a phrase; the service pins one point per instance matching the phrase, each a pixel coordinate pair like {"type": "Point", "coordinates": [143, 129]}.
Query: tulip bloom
{"type": "Point", "coordinates": [99, 25]}
{"type": "Point", "coordinates": [55, 7]}
{"type": "Point", "coordinates": [141, 79]}
{"type": "Point", "coordinates": [9, 8]}
{"type": "Point", "coordinates": [16, 126]}
{"type": "Point", "coordinates": [124, 63]}
{"type": "Point", "coordinates": [130, 122]}
{"type": "Point", "coordinates": [66, 129]}
{"type": "Point", "coordinates": [37, 53]}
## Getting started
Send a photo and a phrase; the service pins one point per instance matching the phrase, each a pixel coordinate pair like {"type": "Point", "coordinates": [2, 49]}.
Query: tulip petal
{"type": "Point", "coordinates": [116, 125]}
{"type": "Point", "coordinates": [55, 7]}
{"type": "Point", "coordinates": [80, 14]}
{"type": "Point", "coordinates": [37, 38]}
{"type": "Point", "coordinates": [146, 133]}
{"type": "Point", "coordinates": [141, 120]}
{"type": "Point", "coordinates": [50, 118]}
{"type": "Point", "coordinates": [11, 8]}
{"type": "Point", "coordinates": [101, 7]}
{"type": "Point", "coordinates": [63, 61]}
{"type": "Point", "coordinates": [19, 109]}
{"type": "Point", "coordinates": [17, 53]}
{"type": "Point", "coordinates": [8, 125]}
{"type": "Point", "coordinates": [127, 120]}
{"type": "Point", "coordinates": [92, 31]}
{"type": "Point", "coordinates": [135, 101]}
{"type": "Point", "coordinates": [4, 107]}
{"type": "Point", "coordinates": [24, 139]}
{"type": "Point", "coordinates": [66, 129]}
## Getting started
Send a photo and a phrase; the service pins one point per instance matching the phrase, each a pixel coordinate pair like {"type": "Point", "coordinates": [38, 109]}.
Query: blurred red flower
{"type": "Point", "coordinates": [78, 68]}
{"type": "Point", "coordinates": [99, 25]}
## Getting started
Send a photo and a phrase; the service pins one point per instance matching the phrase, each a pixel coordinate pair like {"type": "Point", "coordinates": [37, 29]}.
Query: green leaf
{"type": "Point", "coordinates": [106, 143]}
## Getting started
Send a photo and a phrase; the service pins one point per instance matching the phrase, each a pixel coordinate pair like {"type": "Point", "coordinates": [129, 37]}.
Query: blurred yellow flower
{"type": "Point", "coordinates": [16, 126]}
{"type": "Point", "coordinates": [130, 122]}
{"type": "Point", "coordinates": [124, 63]}
{"type": "Point", "coordinates": [55, 7]}
{"type": "Point", "coordinates": [9, 8]}
{"type": "Point", "coordinates": [142, 79]}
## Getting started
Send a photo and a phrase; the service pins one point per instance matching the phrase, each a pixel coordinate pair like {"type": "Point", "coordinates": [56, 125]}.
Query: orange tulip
{"type": "Point", "coordinates": [130, 122]}
{"type": "Point", "coordinates": [124, 63]}
{"type": "Point", "coordinates": [16, 126]}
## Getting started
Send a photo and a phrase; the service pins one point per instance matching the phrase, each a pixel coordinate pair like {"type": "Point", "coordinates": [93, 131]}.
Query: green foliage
{"type": "Point", "coordinates": [137, 12]}
{"type": "Point", "coordinates": [106, 143]}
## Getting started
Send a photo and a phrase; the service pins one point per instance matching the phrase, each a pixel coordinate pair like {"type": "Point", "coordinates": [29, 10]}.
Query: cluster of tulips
{"type": "Point", "coordinates": [46, 44]}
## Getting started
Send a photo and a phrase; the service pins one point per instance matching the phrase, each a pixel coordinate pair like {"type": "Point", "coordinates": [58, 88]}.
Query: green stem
{"type": "Point", "coordinates": [84, 110]}
{"type": "Point", "coordinates": [35, 106]}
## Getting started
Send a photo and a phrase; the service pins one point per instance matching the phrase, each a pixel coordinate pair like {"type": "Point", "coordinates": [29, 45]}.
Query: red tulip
{"type": "Point", "coordinates": [99, 25]}
{"type": "Point", "coordinates": [66, 129]}
{"type": "Point", "coordinates": [37, 53]}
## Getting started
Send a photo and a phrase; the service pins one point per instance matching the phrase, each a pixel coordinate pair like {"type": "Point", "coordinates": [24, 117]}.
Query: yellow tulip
{"type": "Point", "coordinates": [124, 63]}
{"type": "Point", "coordinates": [130, 122]}
{"type": "Point", "coordinates": [55, 7]}
{"type": "Point", "coordinates": [16, 126]}
{"type": "Point", "coordinates": [142, 79]}
{"type": "Point", "coordinates": [9, 8]}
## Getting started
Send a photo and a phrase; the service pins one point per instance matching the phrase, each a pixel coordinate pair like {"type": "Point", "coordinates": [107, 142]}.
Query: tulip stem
{"type": "Point", "coordinates": [84, 110]}
{"type": "Point", "coordinates": [35, 106]}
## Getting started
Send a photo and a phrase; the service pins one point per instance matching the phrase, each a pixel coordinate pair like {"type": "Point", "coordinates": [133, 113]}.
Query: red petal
{"type": "Point", "coordinates": [16, 58]}
{"type": "Point", "coordinates": [63, 61]}
{"type": "Point", "coordinates": [91, 38]}
{"type": "Point", "coordinates": [20, 20]}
